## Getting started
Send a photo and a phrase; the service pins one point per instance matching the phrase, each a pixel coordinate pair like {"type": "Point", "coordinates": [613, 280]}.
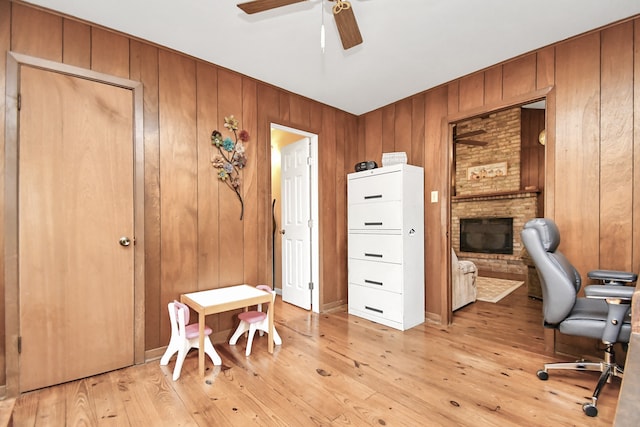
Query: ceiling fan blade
{"type": "Point", "coordinates": [257, 6]}
{"type": "Point", "coordinates": [468, 134]}
{"type": "Point", "coordinates": [347, 25]}
{"type": "Point", "coordinates": [471, 142]}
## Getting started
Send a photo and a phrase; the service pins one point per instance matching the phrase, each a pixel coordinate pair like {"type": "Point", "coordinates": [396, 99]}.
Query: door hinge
{"type": "Point", "coordinates": [309, 161]}
{"type": "Point", "coordinates": [310, 223]}
{"type": "Point", "coordinates": [19, 102]}
{"type": "Point", "coordinates": [310, 286]}
{"type": "Point", "coordinates": [19, 345]}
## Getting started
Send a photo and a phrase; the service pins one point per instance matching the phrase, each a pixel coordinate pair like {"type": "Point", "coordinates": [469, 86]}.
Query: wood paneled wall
{"type": "Point", "coordinates": [592, 85]}
{"type": "Point", "coordinates": [193, 236]}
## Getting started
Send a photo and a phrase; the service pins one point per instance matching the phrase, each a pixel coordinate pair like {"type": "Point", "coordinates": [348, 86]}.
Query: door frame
{"type": "Point", "coordinates": [315, 220]}
{"type": "Point", "coordinates": [11, 274]}
{"type": "Point", "coordinates": [548, 94]}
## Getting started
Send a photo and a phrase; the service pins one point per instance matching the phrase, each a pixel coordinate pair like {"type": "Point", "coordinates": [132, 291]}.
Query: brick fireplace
{"type": "Point", "coordinates": [488, 186]}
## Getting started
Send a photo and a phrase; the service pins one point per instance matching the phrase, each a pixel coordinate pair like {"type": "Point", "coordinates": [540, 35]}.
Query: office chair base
{"type": "Point", "coordinates": [608, 369]}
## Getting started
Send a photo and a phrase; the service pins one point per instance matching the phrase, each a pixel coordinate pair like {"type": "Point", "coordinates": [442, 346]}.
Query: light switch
{"type": "Point", "coordinates": [434, 197]}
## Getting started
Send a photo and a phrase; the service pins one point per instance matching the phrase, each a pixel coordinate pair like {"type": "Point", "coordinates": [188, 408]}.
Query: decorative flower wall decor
{"type": "Point", "coordinates": [231, 158]}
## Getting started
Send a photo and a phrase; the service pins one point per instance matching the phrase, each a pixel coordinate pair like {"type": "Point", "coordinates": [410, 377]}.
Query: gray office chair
{"type": "Point", "coordinates": [604, 314]}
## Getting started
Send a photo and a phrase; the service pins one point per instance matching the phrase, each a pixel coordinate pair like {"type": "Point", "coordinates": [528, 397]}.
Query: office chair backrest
{"type": "Point", "coordinates": [559, 280]}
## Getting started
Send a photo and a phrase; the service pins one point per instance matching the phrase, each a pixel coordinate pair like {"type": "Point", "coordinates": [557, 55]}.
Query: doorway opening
{"type": "Point", "coordinates": [498, 173]}
{"type": "Point", "coordinates": [294, 208]}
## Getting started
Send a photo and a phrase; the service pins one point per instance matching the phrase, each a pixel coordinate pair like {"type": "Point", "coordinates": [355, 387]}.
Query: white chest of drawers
{"type": "Point", "coordinates": [386, 245]}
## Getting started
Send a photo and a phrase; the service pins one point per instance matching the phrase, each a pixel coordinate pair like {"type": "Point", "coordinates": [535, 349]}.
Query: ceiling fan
{"type": "Point", "coordinates": [463, 137]}
{"type": "Point", "coordinates": [342, 13]}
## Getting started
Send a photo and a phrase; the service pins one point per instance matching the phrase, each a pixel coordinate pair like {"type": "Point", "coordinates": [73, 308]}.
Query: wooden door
{"type": "Point", "coordinates": [75, 202]}
{"type": "Point", "coordinates": [296, 214]}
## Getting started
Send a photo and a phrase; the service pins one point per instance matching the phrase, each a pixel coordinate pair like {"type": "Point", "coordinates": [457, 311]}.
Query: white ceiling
{"type": "Point", "coordinates": [409, 45]}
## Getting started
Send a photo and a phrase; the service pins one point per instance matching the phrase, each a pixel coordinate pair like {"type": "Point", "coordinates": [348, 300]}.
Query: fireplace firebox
{"type": "Point", "coordinates": [486, 235]}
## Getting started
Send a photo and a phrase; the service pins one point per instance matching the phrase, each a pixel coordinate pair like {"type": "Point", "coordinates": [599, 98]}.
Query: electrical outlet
{"type": "Point", "coordinates": [434, 197]}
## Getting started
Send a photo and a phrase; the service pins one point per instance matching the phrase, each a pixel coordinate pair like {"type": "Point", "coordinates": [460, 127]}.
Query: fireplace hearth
{"type": "Point", "coordinates": [486, 235]}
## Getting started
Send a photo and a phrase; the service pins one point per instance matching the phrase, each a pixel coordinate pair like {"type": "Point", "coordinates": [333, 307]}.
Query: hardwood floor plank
{"type": "Point", "coordinates": [336, 369]}
{"type": "Point", "coordinates": [52, 406]}
{"type": "Point", "coordinates": [108, 405]}
{"type": "Point", "coordinates": [139, 398]}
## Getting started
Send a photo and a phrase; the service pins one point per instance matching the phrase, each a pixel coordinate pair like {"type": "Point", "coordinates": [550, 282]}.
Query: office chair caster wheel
{"type": "Point", "coordinates": [590, 409]}
{"type": "Point", "coordinates": [543, 375]}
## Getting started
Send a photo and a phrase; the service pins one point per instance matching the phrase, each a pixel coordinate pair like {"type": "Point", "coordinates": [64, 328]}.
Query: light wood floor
{"type": "Point", "coordinates": [336, 369]}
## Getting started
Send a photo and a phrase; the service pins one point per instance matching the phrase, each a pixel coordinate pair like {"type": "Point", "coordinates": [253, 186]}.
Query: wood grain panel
{"type": "Point", "coordinates": [576, 163]}
{"type": "Point", "coordinates": [493, 85]}
{"type": "Point", "coordinates": [267, 112]}
{"type": "Point", "coordinates": [471, 91]}
{"type": "Point", "coordinates": [144, 68]}
{"type": "Point", "coordinates": [285, 107]}
{"type": "Point", "coordinates": [36, 33]}
{"type": "Point", "coordinates": [403, 128]}
{"type": "Point", "coordinates": [352, 142]}
{"type": "Point", "coordinates": [76, 47]}
{"type": "Point", "coordinates": [231, 237]}
{"type": "Point", "coordinates": [208, 215]}
{"type": "Point", "coordinates": [519, 76]}
{"type": "Point", "coordinates": [300, 111]}
{"type": "Point", "coordinates": [388, 129]}
{"type": "Point", "coordinates": [5, 44]}
{"type": "Point", "coordinates": [417, 131]}
{"type": "Point", "coordinates": [340, 209]}
{"type": "Point", "coordinates": [453, 99]}
{"type": "Point", "coordinates": [532, 121]}
{"type": "Point", "coordinates": [550, 156]}
{"type": "Point", "coordinates": [436, 172]}
{"type": "Point", "coordinates": [109, 52]}
{"type": "Point", "coordinates": [545, 74]}
{"type": "Point", "coordinates": [616, 142]}
{"type": "Point", "coordinates": [178, 178]}
{"type": "Point", "coordinates": [231, 229]}
{"type": "Point", "coordinates": [373, 136]}
{"type": "Point", "coordinates": [345, 132]}
{"type": "Point", "coordinates": [250, 184]}
{"type": "Point", "coordinates": [315, 117]}
{"type": "Point", "coordinates": [636, 149]}
{"type": "Point", "coordinates": [327, 198]}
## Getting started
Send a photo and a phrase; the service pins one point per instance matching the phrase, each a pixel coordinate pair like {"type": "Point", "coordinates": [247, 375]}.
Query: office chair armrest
{"type": "Point", "coordinates": [618, 299]}
{"type": "Point", "coordinates": [613, 277]}
{"type": "Point", "coordinates": [609, 292]}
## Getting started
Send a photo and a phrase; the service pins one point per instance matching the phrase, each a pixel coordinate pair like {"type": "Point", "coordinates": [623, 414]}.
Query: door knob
{"type": "Point", "coordinates": [124, 241]}
{"type": "Point", "coordinates": [282, 231]}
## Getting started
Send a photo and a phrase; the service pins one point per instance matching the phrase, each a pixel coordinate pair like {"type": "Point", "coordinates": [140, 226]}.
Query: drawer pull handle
{"type": "Point", "coordinates": [373, 255]}
{"type": "Point", "coordinates": [372, 282]}
{"type": "Point", "coordinates": [374, 196]}
{"type": "Point", "coordinates": [377, 310]}
{"type": "Point", "coordinates": [373, 223]}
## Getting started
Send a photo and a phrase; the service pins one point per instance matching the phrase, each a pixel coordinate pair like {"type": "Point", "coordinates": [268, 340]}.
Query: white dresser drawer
{"type": "Point", "coordinates": [386, 245]}
{"type": "Point", "coordinates": [375, 216]}
{"type": "Point", "coordinates": [375, 188]}
{"type": "Point", "coordinates": [374, 303]}
{"type": "Point", "coordinates": [375, 247]}
{"type": "Point", "coordinates": [376, 275]}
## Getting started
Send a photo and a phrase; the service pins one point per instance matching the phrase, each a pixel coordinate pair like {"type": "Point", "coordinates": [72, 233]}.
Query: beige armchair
{"type": "Point", "coordinates": [463, 281]}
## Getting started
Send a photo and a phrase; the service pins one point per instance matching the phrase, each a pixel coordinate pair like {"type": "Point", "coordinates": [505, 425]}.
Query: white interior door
{"type": "Point", "coordinates": [296, 223]}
